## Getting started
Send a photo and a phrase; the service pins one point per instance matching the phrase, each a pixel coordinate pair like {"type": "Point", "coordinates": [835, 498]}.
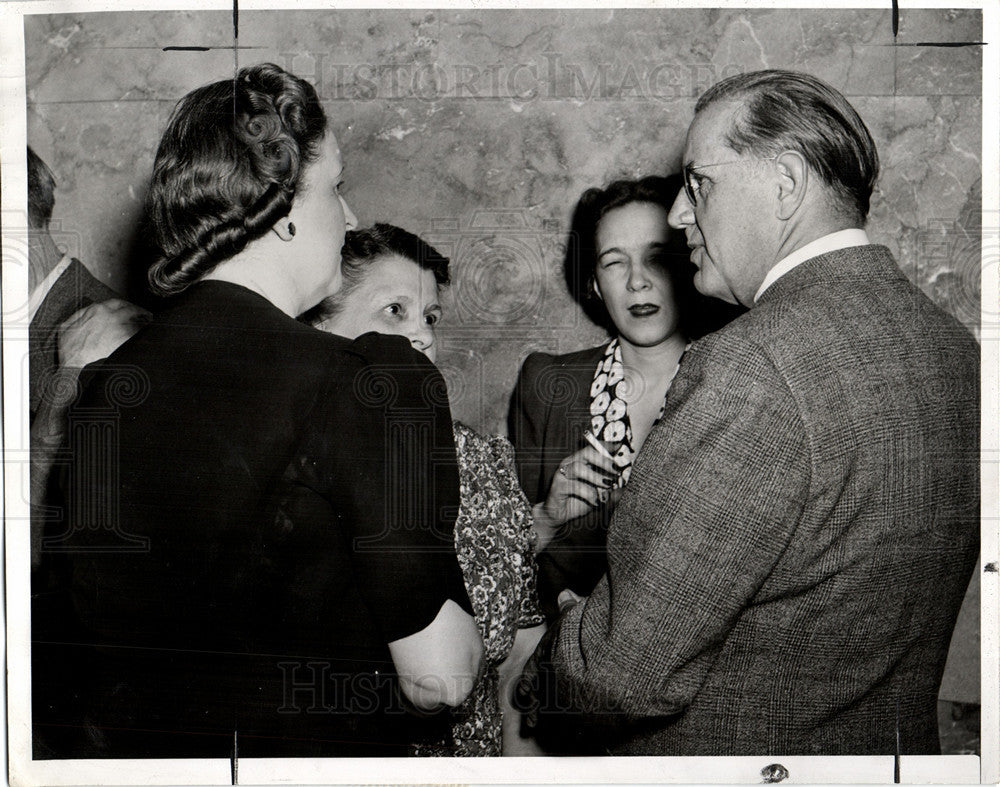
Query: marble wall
{"type": "Point", "coordinates": [479, 130]}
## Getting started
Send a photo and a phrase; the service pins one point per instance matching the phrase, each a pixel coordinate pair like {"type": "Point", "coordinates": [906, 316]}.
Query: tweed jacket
{"type": "Point", "coordinates": [549, 410]}
{"type": "Point", "coordinates": [789, 556]}
{"type": "Point", "coordinates": [73, 290]}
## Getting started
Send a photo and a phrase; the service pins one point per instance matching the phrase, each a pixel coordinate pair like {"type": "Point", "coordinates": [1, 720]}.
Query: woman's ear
{"type": "Point", "coordinates": [595, 289]}
{"type": "Point", "coordinates": [284, 229]}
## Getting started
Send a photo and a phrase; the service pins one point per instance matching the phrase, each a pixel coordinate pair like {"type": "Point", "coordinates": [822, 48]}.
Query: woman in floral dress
{"type": "Point", "coordinates": [391, 284]}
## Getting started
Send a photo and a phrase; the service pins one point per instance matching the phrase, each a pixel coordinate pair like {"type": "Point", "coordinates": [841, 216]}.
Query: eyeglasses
{"type": "Point", "coordinates": [692, 187]}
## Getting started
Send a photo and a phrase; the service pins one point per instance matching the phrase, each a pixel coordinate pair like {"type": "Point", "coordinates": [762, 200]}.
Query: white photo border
{"type": "Point", "coordinates": [649, 770]}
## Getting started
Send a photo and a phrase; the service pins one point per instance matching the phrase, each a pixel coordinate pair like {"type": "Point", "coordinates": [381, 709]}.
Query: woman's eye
{"type": "Point", "coordinates": [607, 262]}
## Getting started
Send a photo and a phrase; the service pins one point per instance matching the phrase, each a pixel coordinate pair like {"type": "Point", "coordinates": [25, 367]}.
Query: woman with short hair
{"type": "Point", "coordinates": [578, 420]}
{"type": "Point", "coordinates": [392, 280]}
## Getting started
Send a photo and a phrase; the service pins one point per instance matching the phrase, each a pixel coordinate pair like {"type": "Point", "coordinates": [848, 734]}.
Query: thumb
{"type": "Point", "coordinates": [568, 599]}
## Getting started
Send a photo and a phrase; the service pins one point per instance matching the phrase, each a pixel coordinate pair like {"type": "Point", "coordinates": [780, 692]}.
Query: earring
{"type": "Point", "coordinates": [291, 228]}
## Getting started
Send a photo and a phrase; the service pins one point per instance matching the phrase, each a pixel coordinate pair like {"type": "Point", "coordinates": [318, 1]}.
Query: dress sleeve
{"type": "Point", "coordinates": [714, 498]}
{"type": "Point", "coordinates": [526, 426]}
{"type": "Point", "coordinates": [394, 481]}
{"type": "Point", "coordinates": [529, 612]}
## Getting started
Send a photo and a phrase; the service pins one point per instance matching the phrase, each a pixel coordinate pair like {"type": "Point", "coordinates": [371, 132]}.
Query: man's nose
{"type": "Point", "coordinates": [681, 213]}
{"type": "Point", "coordinates": [350, 220]}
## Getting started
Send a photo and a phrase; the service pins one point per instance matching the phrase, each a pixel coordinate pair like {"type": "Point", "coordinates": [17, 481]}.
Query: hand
{"type": "Point", "coordinates": [582, 482]}
{"type": "Point", "coordinates": [96, 331]}
{"type": "Point", "coordinates": [568, 599]}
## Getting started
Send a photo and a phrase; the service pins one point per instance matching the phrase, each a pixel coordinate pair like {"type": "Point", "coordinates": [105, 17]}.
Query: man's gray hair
{"type": "Point", "coordinates": [788, 110]}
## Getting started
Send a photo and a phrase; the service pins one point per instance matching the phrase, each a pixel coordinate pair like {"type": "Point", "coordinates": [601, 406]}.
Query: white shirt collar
{"type": "Point", "coordinates": [842, 239]}
{"type": "Point", "coordinates": [36, 297]}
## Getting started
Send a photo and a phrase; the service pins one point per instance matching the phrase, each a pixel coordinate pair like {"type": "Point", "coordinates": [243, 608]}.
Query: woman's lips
{"type": "Point", "coordinates": [643, 309]}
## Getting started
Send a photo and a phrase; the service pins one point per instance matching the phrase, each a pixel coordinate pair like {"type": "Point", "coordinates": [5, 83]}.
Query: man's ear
{"type": "Point", "coordinates": [793, 180]}
{"type": "Point", "coordinates": [284, 229]}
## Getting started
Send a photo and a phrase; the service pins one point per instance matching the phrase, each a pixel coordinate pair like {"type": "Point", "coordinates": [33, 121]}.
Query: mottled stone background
{"type": "Point", "coordinates": [479, 129]}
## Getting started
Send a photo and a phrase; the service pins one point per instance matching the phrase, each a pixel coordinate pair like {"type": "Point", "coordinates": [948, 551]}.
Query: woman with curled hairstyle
{"type": "Point", "coordinates": [392, 280]}
{"type": "Point", "coordinates": [578, 420]}
{"type": "Point", "coordinates": [269, 575]}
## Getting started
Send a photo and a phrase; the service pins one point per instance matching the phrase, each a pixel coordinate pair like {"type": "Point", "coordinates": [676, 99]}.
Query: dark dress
{"type": "Point", "coordinates": [255, 509]}
{"type": "Point", "coordinates": [549, 411]}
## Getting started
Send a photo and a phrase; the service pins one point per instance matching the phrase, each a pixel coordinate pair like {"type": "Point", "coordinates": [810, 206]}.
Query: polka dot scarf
{"type": "Point", "coordinates": [608, 412]}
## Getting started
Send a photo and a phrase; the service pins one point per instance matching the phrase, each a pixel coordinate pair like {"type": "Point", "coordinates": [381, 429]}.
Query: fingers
{"type": "Point", "coordinates": [584, 491]}
{"type": "Point", "coordinates": [97, 311]}
{"type": "Point", "coordinates": [581, 471]}
{"type": "Point", "coordinates": [96, 331]}
{"type": "Point", "coordinates": [570, 499]}
{"type": "Point", "coordinates": [588, 455]}
{"type": "Point", "coordinates": [591, 456]}
{"type": "Point", "coordinates": [114, 315]}
{"type": "Point", "coordinates": [117, 304]}
{"type": "Point", "coordinates": [567, 599]}
{"type": "Point", "coordinates": [116, 307]}
{"type": "Point", "coordinates": [583, 480]}
{"type": "Point", "coordinates": [77, 317]}
{"type": "Point", "coordinates": [131, 312]}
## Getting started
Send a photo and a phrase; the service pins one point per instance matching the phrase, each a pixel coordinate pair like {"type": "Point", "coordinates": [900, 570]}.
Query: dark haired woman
{"type": "Point", "coordinates": [259, 581]}
{"type": "Point", "coordinates": [392, 279]}
{"type": "Point", "coordinates": [578, 420]}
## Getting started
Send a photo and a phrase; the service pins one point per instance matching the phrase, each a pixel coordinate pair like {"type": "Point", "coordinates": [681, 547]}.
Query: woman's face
{"type": "Point", "coordinates": [321, 217]}
{"type": "Point", "coordinates": [631, 275]}
{"type": "Point", "coordinates": [395, 296]}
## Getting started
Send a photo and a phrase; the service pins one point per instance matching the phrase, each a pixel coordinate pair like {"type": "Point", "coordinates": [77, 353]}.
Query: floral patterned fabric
{"type": "Point", "coordinates": [491, 539]}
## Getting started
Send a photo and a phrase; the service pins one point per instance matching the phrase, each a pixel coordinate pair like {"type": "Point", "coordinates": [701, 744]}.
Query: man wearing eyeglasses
{"type": "Point", "coordinates": [789, 557]}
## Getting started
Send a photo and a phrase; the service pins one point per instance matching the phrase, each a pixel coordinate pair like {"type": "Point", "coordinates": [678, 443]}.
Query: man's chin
{"type": "Point", "coordinates": [713, 288]}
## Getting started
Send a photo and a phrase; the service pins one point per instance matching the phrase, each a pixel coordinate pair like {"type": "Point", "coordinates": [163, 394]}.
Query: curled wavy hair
{"type": "Point", "coordinates": [788, 110]}
{"type": "Point", "coordinates": [362, 247]}
{"type": "Point", "coordinates": [227, 169]}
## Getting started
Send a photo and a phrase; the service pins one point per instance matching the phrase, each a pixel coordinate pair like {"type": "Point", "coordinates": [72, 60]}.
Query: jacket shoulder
{"type": "Point", "coordinates": [539, 362]}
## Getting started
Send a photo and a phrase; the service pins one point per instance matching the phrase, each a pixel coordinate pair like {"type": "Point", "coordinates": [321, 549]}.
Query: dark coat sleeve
{"type": "Point", "coordinates": [381, 458]}
{"type": "Point", "coordinates": [548, 412]}
{"type": "Point", "coordinates": [526, 421]}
